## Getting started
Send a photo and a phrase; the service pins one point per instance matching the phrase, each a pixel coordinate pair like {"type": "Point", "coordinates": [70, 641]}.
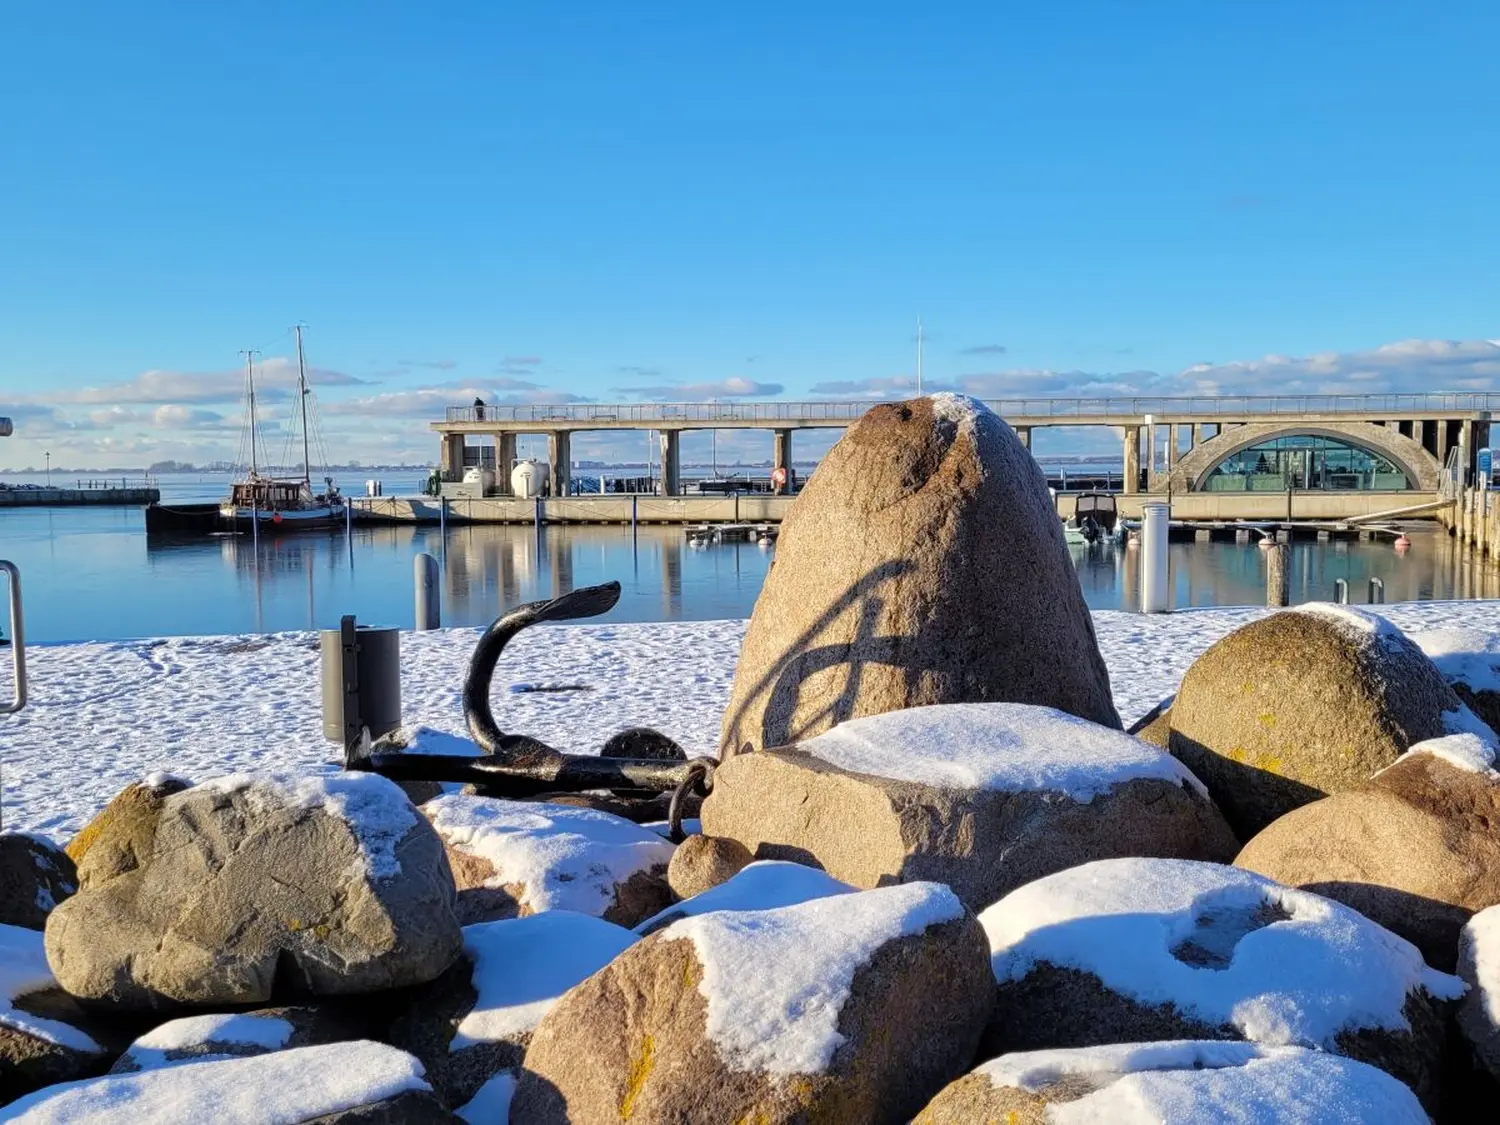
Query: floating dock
{"type": "Point", "coordinates": [100, 496]}
{"type": "Point", "coordinates": [705, 533]}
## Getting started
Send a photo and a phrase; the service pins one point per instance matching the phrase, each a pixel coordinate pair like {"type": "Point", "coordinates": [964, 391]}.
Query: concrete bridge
{"type": "Point", "coordinates": [1413, 434]}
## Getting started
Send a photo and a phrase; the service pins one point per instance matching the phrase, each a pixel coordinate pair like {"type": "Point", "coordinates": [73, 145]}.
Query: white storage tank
{"type": "Point", "coordinates": [529, 479]}
{"type": "Point", "coordinates": [483, 479]}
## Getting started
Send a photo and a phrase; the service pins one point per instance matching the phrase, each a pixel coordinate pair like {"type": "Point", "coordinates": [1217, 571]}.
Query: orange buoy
{"type": "Point", "coordinates": [1402, 543]}
{"type": "Point", "coordinates": [1266, 543]}
{"type": "Point", "coordinates": [276, 518]}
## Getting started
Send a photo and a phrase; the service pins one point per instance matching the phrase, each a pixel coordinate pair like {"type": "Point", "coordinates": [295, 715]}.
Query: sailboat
{"type": "Point", "coordinates": [281, 503]}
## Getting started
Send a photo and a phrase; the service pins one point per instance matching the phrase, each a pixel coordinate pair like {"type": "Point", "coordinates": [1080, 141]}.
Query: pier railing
{"type": "Point", "coordinates": [1394, 406]}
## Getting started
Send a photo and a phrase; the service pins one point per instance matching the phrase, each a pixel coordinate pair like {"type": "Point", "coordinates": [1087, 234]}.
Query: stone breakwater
{"type": "Point", "coordinates": [934, 881]}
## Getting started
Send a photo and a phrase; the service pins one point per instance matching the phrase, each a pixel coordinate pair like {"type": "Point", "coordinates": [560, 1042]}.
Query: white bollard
{"type": "Point", "coordinates": [1156, 588]}
{"type": "Point", "coordinates": [429, 603]}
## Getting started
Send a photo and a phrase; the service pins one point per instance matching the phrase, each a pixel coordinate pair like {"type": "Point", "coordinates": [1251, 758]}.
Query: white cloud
{"type": "Point", "coordinates": [274, 378]}
{"type": "Point", "coordinates": [175, 416]}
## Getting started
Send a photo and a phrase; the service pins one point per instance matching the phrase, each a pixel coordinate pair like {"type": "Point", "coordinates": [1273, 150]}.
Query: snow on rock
{"type": "Point", "coordinates": [156, 1048]}
{"type": "Point", "coordinates": [1317, 969]}
{"type": "Point", "coordinates": [1479, 966]}
{"type": "Point", "coordinates": [1464, 721]}
{"type": "Point", "coordinates": [281, 1088]}
{"type": "Point", "coordinates": [1469, 752]}
{"type": "Point", "coordinates": [523, 965]}
{"type": "Point", "coordinates": [491, 1105]}
{"type": "Point", "coordinates": [1471, 656]}
{"type": "Point", "coordinates": [764, 885]}
{"type": "Point", "coordinates": [1003, 747]}
{"type": "Point", "coordinates": [776, 980]}
{"type": "Point", "coordinates": [564, 858]}
{"type": "Point", "coordinates": [1481, 941]}
{"type": "Point", "coordinates": [963, 411]}
{"type": "Point", "coordinates": [1198, 1081]}
{"type": "Point", "coordinates": [1356, 622]}
{"type": "Point", "coordinates": [23, 969]}
{"type": "Point", "coordinates": [377, 812]}
{"type": "Point", "coordinates": [128, 708]}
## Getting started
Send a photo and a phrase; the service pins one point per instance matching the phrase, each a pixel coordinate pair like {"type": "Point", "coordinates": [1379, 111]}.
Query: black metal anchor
{"type": "Point", "coordinates": [517, 765]}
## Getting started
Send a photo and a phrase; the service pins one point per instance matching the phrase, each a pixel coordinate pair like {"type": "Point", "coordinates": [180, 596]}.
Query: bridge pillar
{"type": "Point", "coordinates": [781, 453]}
{"type": "Point", "coordinates": [1024, 433]}
{"type": "Point", "coordinates": [452, 457]}
{"type": "Point", "coordinates": [560, 454]}
{"type": "Point", "coordinates": [505, 460]}
{"type": "Point", "coordinates": [671, 462]}
{"type": "Point", "coordinates": [1466, 449]}
{"type": "Point", "coordinates": [1132, 460]}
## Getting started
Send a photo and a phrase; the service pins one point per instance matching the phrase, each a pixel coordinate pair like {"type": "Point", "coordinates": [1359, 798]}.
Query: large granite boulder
{"type": "Point", "coordinates": [1479, 967]}
{"type": "Point", "coordinates": [251, 889]}
{"type": "Point", "coordinates": [359, 1083]}
{"type": "Point", "coordinates": [981, 796]}
{"type": "Point", "coordinates": [1138, 950]}
{"type": "Point", "coordinates": [854, 1008]}
{"type": "Point", "coordinates": [237, 1035]}
{"type": "Point", "coordinates": [126, 825]}
{"type": "Point", "coordinates": [35, 875]}
{"type": "Point", "coordinates": [1181, 1083]}
{"type": "Point", "coordinates": [475, 1021]}
{"type": "Point", "coordinates": [44, 1036]}
{"type": "Point", "coordinates": [1415, 848]}
{"type": "Point", "coordinates": [1303, 703]}
{"type": "Point", "coordinates": [515, 858]}
{"type": "Point", "coordinates": [923, 563]}
{"type": "Point", "coordinates": [1469, 660]}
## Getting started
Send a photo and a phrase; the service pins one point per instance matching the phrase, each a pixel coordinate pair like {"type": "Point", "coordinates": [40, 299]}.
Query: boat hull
{"type": "Point", "coordinates": [301, 519]}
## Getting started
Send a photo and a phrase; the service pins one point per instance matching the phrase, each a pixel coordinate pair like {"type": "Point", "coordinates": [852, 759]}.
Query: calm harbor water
{"type": "Point", "coordinates": [92, 573]}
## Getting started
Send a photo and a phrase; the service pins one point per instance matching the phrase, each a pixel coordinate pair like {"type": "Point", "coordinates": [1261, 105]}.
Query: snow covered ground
{"type": "Point", "coordinates": [105, 714]}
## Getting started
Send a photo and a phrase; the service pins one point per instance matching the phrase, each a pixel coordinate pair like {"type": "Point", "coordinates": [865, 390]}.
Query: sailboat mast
{"type": "Point", "coordinates": [250, 395]}
{"type": "Point", "coordinates": [302, 394]}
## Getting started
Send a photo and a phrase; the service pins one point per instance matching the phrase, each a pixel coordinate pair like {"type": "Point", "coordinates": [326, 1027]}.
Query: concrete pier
{"type": "Point", "coordinates": [126, 497]}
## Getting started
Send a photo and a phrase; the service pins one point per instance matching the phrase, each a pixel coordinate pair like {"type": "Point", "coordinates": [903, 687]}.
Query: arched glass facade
{"type": "Point", "coordinates": [1305, 461]}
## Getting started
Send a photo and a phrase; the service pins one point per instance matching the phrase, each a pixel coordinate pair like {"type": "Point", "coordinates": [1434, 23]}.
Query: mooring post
{"type": "Point", "coordinates": [429, 596]}
{"type": "Point", "coordinates": [1377, 591]}
{"type": "Point", "coordinates": [1156, 590]}
{"type": "Point", "coordinates": [1341, 591]}
{"type": "Point", "coordinates": [1278, 583]}
{"type": "Point", "coordinates": [634, 497]}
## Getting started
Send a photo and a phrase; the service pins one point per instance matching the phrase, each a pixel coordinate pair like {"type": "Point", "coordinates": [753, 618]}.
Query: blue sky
{"type": "Point", "coordinates": [607, 200]}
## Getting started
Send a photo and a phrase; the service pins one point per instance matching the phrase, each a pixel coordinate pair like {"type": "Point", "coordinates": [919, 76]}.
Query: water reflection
{"type": "Point", "coordinates": [1207, 574]}
{"type": "Point", "coordinates": [93, 574]}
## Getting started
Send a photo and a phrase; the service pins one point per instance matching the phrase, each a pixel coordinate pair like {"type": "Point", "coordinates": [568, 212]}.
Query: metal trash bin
{"type": "Point", "coordinates": [361, 681]}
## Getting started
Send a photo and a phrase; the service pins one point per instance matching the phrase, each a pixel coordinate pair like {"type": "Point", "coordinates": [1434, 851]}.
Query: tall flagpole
{"type": "Point", "coordinates": [919, 357]}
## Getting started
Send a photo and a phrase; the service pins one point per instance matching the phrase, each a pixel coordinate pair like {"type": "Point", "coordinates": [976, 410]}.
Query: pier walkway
{"type": "Point", "coordinates": [95, 494]}
{"type": "Point", "coordinates": [1404, 439]}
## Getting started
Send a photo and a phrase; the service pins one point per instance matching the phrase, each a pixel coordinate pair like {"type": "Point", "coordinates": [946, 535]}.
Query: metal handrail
{"type": "Point", "coordinates": [1385, 405]}
{"type": "Point", "coordinates": [17, 640]}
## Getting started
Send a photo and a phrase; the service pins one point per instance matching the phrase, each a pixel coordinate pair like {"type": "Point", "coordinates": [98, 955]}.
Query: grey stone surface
{"type": "Point", "coordinates": [254, 892]}
{"type": "Point", "coordinates": [923, 563]}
